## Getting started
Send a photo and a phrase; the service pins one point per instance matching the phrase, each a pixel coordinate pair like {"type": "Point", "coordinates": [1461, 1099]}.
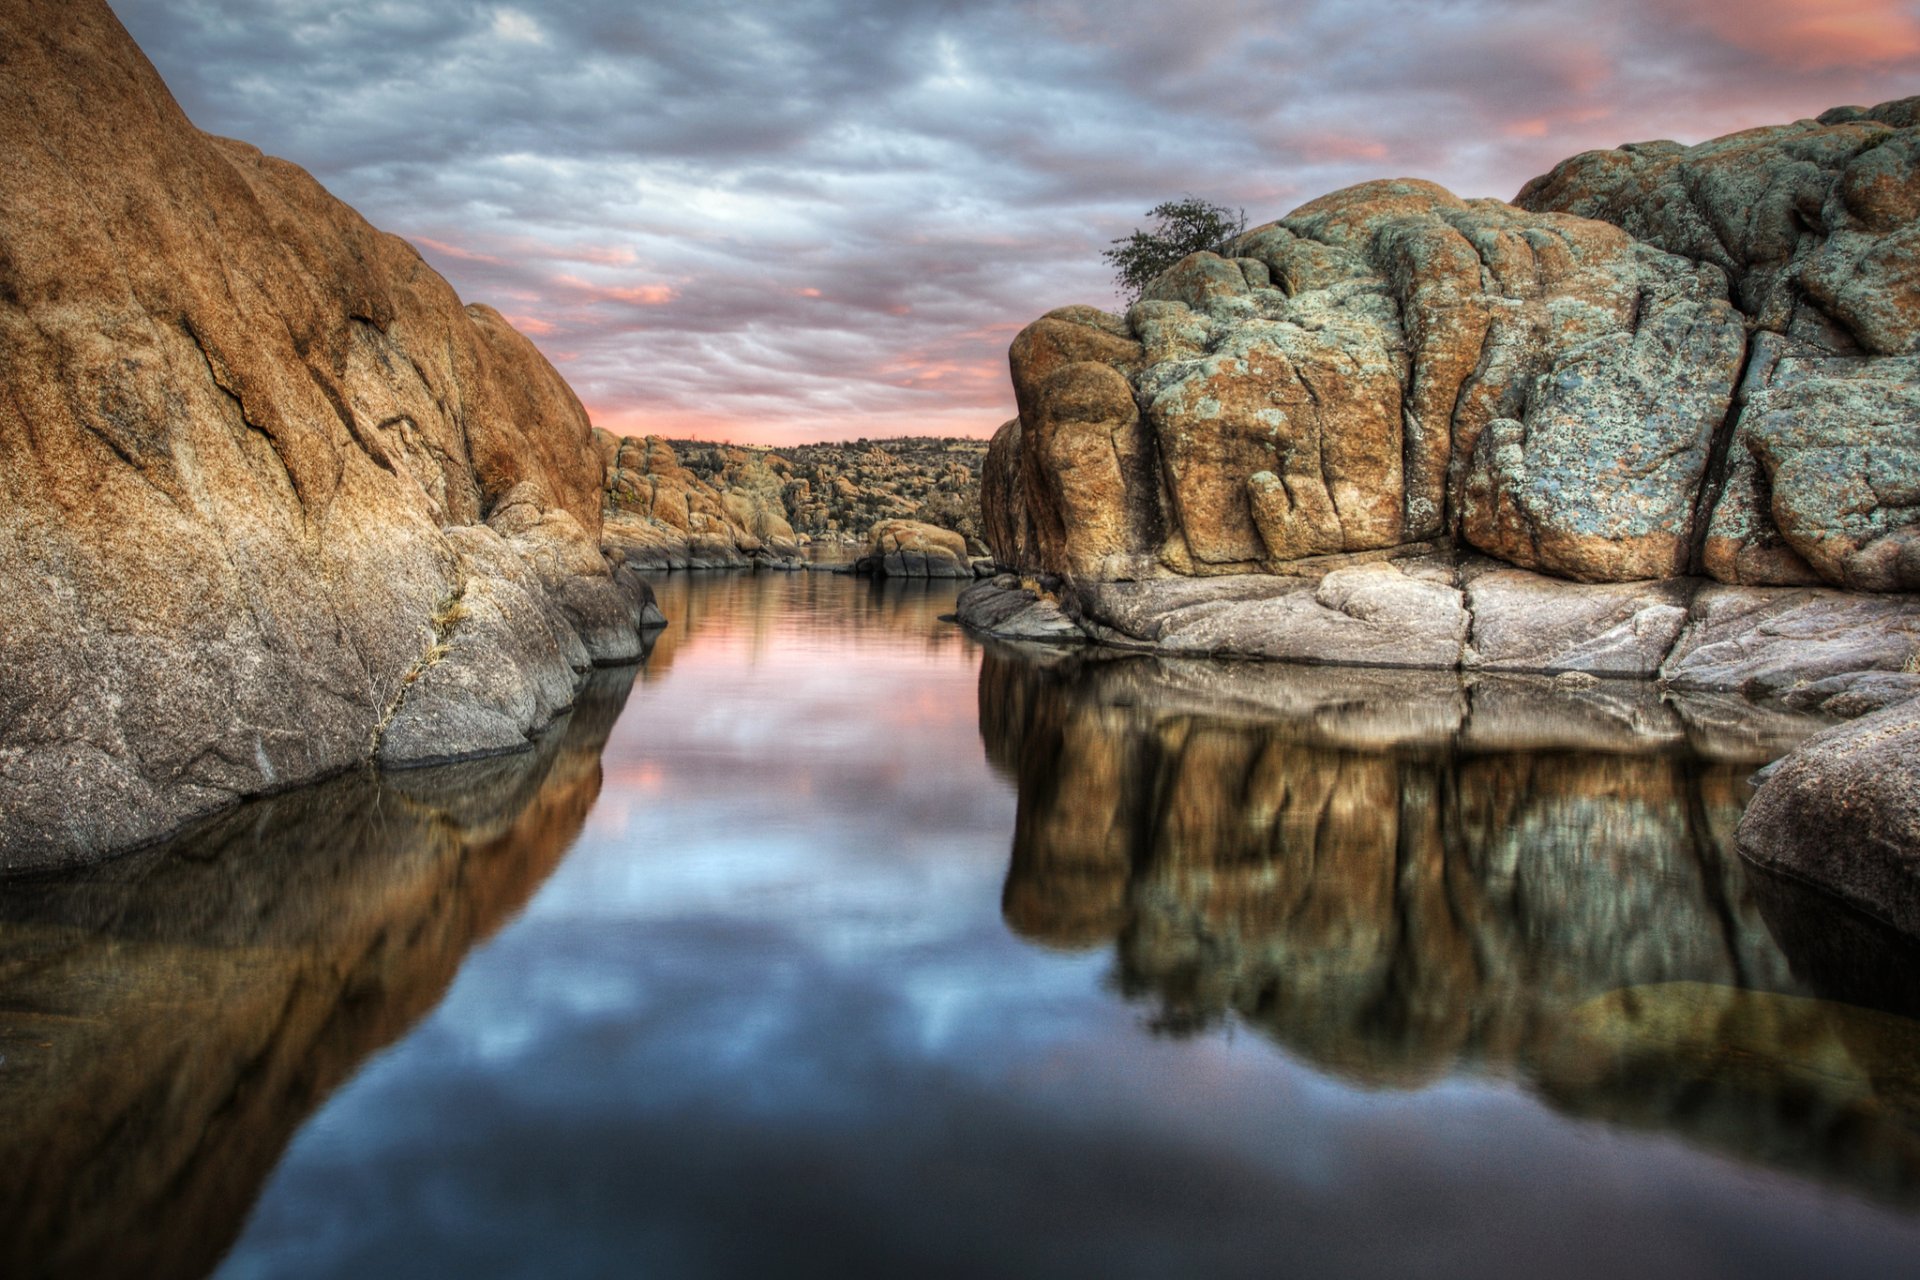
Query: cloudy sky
{"type": "Point", "coordinates": [815, 219]}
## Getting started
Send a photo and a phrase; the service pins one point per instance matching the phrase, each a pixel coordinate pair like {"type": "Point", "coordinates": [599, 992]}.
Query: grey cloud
{"type": "Point", "coordinates": [826, 217]}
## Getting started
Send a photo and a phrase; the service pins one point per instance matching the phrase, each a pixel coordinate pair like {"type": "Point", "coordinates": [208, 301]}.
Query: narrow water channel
{"type": "Point", "coordinates": [830, 941]}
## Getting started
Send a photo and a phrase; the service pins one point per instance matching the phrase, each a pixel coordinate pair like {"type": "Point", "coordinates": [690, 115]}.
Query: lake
{"type": "Point", "coordinates": [833, 941]}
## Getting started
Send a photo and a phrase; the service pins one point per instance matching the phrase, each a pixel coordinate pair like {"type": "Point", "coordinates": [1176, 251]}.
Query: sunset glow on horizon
{"type": "Point", "coordinates": [815, 221]}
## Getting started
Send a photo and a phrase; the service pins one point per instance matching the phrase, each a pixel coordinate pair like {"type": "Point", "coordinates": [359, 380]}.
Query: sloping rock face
{"type": "Point", "coordinates": [274, 502]}
{"type": "Point", "coordinates": [1843, 812]}
{"type": "Point", "coordinates": [1402, 428]}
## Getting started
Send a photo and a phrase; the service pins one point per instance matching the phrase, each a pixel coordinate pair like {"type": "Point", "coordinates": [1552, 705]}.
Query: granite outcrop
{"type": "Point", "coordinates": [274, 502]}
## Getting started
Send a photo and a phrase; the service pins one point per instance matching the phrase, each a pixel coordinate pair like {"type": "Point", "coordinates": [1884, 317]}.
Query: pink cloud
{"type": "Point", "coordinates": [447, 248]}
{"type": "Point", "coordinates": [640, 295]}
{"type": "Point", "coordinates": [1814, 34]}
{"type": "Point", "coordinates": [533, 325]}
{"type": "Point", "coordinates": [1331, 147]}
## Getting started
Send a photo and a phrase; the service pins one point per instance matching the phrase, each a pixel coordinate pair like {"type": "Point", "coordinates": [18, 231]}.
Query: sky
{"type": "Point", "coordinates": [821, 219]}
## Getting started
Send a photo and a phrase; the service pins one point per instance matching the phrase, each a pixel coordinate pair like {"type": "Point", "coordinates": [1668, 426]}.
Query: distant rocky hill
{"type": "Point", "coordinates": [688, 503]}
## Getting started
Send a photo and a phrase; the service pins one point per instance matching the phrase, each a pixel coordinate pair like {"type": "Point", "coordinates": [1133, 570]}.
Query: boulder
{"type": "Point", "coordinates": [1816, 225]}
{"type": "Point", "coordinates": [1386, 365]}
{"type": "Point", "coordinates": [1842, 812]}
{"type": "Point", "coordinates": [1383, 613]}
{"type": "Point", "coordinates": [275, 502]}
{"type": "Point", "coordinates": [1006, 608]}
{"type": "Point", "coordinates": [909, 549]}
{"type": "Point", "coordinates": [1767, 640]}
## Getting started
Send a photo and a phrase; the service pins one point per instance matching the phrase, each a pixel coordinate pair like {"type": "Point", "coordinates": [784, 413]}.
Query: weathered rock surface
{"type": "Point", "coordinates": [1767, 641]}
{"type": "Point", "coordinates": [661, 515]}
{"type": "Point", "coordinates": [274, 502]}
{"type": "Point", "coordinates": [1526, 622]}
{"type": "Point", "coordinates": [909, 549]}
{"type": "Point", "coordinates": [1388, 365]}
{"type": "Point", "coordinates": [1816, 226]}
{"type": "Point", "coordinates": [1004, 606]}
{"type": "Point", "coordinates": [1842, 812]}
{"type": "Point", "coordinates": [1385, 613]}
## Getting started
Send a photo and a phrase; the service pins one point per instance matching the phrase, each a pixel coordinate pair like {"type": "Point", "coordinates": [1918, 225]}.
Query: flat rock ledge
{"type": "Point", "coordinates": [1837, 652]}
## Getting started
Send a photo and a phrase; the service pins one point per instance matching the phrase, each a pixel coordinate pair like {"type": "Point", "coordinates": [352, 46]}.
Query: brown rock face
{"type": "Point", "coordinates": [1387, 365]}
{"type": "Point", "coordinates": [265, 477]}
{"type": "Point", "coordinates": [1843, 813]}
{"type": "Point", "coordinates": [909, 549]}
{"type": "Point", "coordinates": [691, 504]}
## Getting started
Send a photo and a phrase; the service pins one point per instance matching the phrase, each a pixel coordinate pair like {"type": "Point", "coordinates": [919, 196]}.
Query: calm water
{"type": "Point", "coordinates": [831, 942]}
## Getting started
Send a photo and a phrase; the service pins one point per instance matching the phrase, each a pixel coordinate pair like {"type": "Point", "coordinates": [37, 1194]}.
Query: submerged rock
{"type": "Point", "coordinates": [1843, 812]}
{"type": "Point", "coordinates": [274, 501]}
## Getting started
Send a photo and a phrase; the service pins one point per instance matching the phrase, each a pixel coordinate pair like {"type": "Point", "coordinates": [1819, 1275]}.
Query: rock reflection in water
{"type": "Point", "coordinates": [1402, 875]}
{"type": "Point", "coordinates": [169, 1019]}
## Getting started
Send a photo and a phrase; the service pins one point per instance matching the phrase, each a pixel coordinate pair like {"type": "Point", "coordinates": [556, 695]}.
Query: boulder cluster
{"type": "Point", "coordinates": [678, 504]}
{"type": "Point", "coordinates": [1659, 361]}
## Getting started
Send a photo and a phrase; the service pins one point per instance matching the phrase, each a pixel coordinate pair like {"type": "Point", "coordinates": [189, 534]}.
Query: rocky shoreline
{"type": "Point", "coordinates": [741, 507]}
{"type": "Point", "coordinates": [1837, 652]}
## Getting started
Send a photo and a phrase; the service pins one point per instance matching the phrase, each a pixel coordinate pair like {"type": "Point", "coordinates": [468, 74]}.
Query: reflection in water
{"type": "Point", "coordinates": [767, 1016]}
{"type": "Point", "coordinates": [1400, 876]}
{"type": "Point", "coordinates": [761, 610]}
{"type": "Point", "coordinates": [169, 1019]}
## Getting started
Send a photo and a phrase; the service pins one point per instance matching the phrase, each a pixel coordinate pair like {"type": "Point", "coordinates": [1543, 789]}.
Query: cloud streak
{"type": "Point", "coordinates": [823, 218]}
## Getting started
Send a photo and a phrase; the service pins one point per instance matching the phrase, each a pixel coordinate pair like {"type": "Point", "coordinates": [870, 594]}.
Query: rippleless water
{"type": "Point", "coordinates": [831, 942]}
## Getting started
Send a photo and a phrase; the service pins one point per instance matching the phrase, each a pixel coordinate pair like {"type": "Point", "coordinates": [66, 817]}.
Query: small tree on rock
{"type": "Point", "coordinates": [1183, 226]}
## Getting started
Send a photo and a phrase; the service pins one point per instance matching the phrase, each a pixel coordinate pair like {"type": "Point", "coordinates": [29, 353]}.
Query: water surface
{"type": "Point", "coordinates": [831, 941]}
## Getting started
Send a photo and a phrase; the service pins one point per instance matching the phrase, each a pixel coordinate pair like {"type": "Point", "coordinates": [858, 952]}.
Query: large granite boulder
{"type": "Point", "coordinates": [273, 502]}
{"type": "Point", "coordinates": [1390, 364]}
{"type": "Point", "coordinates": [1564, 383]}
